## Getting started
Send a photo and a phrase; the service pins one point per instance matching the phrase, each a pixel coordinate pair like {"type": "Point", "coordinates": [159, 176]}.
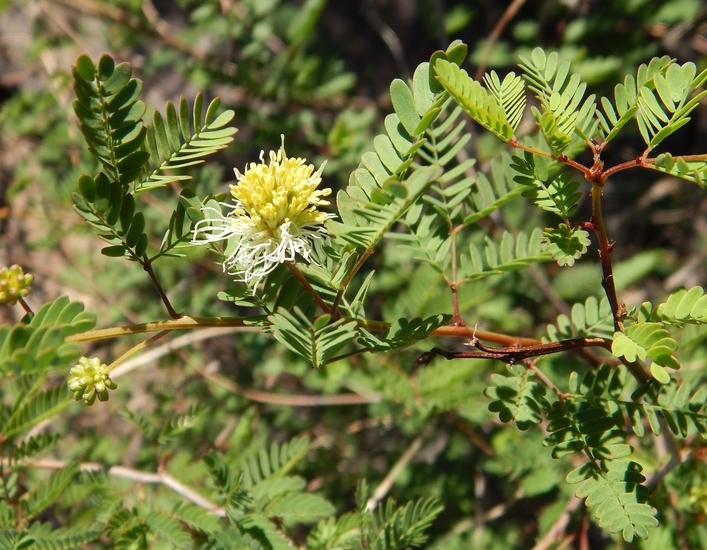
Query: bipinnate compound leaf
{"type": "Point", "coordinates": [39, 346]}
{"type": "Point", "coordinates": [611, 484]}
{"type": "Point", "coordinates": [664, 106]}
{"type": "Point", "coordinates": [402, 333]}
{"type": "Point", "coordinates": [499, 256]}
{"type": "Point", "coordinates": [106, 206]}
{"type": "Point", "coordinates": [402, 527]}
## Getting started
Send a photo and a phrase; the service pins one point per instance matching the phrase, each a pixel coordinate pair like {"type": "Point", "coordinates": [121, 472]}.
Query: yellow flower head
{"type": "Point", "coordinates": [285, 190]}
{"type": "Point", "coordinates": [274, 218]}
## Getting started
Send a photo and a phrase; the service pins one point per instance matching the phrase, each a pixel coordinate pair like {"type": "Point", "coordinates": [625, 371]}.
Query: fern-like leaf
{"type": "Point", "coordinates": [507, 254]}
{"type": "Point", "coordinates": [196, 517]}
{"type": "Point", "coordinates": [510, 95]}
{"type": "Point", "coordinates": [169, 530]}
{"type": "Point", "coordinates": [105, 206]}
{"type": "Point", "coordinates": [665, 109]}
{"type": "Point", "coordinates": [611, 485]}
{"type": "Point", "coordinates": [614, 492]}
{"type": "Point", "coordinates": [181, 139]}
{"type": "Point", "coordinates": [402, 333]}
{"type": "Point", "coordinates": [277, 461]}
{"type": "Point", "coordinates": [487, 196]}
{"type": "Point", "coordinates": [110, 114]}
{"type": "Point", "coordinates": [566, 244]}
{"type": "Point", "coordinates": [482, 106]}
{"type": "Point", "coordinates": [642, 340]}
{"type": "Point", "coordinates": [684, 306]}
{"type": "Point", "coordinates": [691, 170]}
{"type": "Point", "coordinates": [317, 341]}
{"type": "Point", "coordinates": [298, 508]}
{"type": "Point", "coordinates": [31, 409]}
{"type": "Point", "coordinates": [517, 398]}
{"type": "Point", "coordinates": [591, 319]}
{"type": "Point", "coordinates": [229, 484]}
{"type": "Point", "coordinates": [39, 346]}
{"type": "Point", "coordinates": [560, 97]}
{"type": "Point", "coordinates": [558, 195]}
{"type": "Point", "coordinates": [46, 494]}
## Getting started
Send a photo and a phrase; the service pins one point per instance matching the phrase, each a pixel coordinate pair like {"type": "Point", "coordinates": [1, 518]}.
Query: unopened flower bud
{"type": "Point", "coordinates": [89, 379]}
{"type": "Point", "coordinates": [14, 284]}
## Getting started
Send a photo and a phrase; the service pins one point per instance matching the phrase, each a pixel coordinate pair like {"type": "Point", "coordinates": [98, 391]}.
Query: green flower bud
{"type": "Point", "coordinates": [89, 379]}
{"type": "Point", "coordinates": [14, 284]}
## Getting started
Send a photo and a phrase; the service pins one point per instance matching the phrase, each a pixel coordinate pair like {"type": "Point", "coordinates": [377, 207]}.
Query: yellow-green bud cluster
{"type": "Point", "coordinates": [14, 284]}
{"type": "Point", "coordinates": [90, 379]}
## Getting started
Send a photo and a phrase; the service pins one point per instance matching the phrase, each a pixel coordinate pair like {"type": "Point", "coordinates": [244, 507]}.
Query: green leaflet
{"type": "Point", "coordinates": [691, 170]}
{"type": "Point", "coordinates": [182, 139]}
{"type": "Point", "coordinates": [110, 114]}
{"type": "Point", "coordinates": [486, 108]}
{"type": "Point", "coordinates": [557, 195]}
{"type": "Point", "coordinates": [591, 319]}
{"type": "Point", "coordinates": [499, 256]}
{"type": "Point", "coordinates": [517, 398]}
{"type": "Point", "coordinates": [316, 341]}
{"type": "Point", "coordinates": [566, 244]}
{"type": "Point", "coordinates": [643, 340]}
{"type": "Point", "coordinates": [562, 113]}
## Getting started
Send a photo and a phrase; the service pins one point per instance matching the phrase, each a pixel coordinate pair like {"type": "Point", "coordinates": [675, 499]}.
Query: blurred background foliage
{"type": "Point", "coordinates": [318, 72]}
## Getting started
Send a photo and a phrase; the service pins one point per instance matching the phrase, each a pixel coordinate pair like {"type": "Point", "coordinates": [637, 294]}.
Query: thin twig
{"type": "Point", "coordinates": [388, 36]}
{"type": "Point", "coordinates": [123, 472]}
{"type": "Point", "coordinates": [147, 266]}
{"type": "Point", "coordinates": [288, 400]}
{"type": "Point", "coordinates": [605, 249]}
{"type": "Point", "coordinates": [346, 282]}
{"type": "Point", "coordinates": [395, 471]}
{"type": "Point", "coordinates": [25, 306]}
{"type": "Point", "coordinates": [509, 14]}
{"type": "Point", "coordinates": [453, 284]}
{"type": "Point", "coordinates": [554, 533]}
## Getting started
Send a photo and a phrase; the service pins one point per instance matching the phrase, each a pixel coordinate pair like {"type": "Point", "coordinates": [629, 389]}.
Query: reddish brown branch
{"type": "Point", "coordinates": [502, 23]}
{"type": "Point", "coordinates": [514, 354]}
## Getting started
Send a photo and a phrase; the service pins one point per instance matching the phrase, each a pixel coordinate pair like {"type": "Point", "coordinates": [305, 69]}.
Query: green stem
{"type": "Point", "coordinates": [132, 351]}
{"type": "Point", "coordinates": [182, 323]}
